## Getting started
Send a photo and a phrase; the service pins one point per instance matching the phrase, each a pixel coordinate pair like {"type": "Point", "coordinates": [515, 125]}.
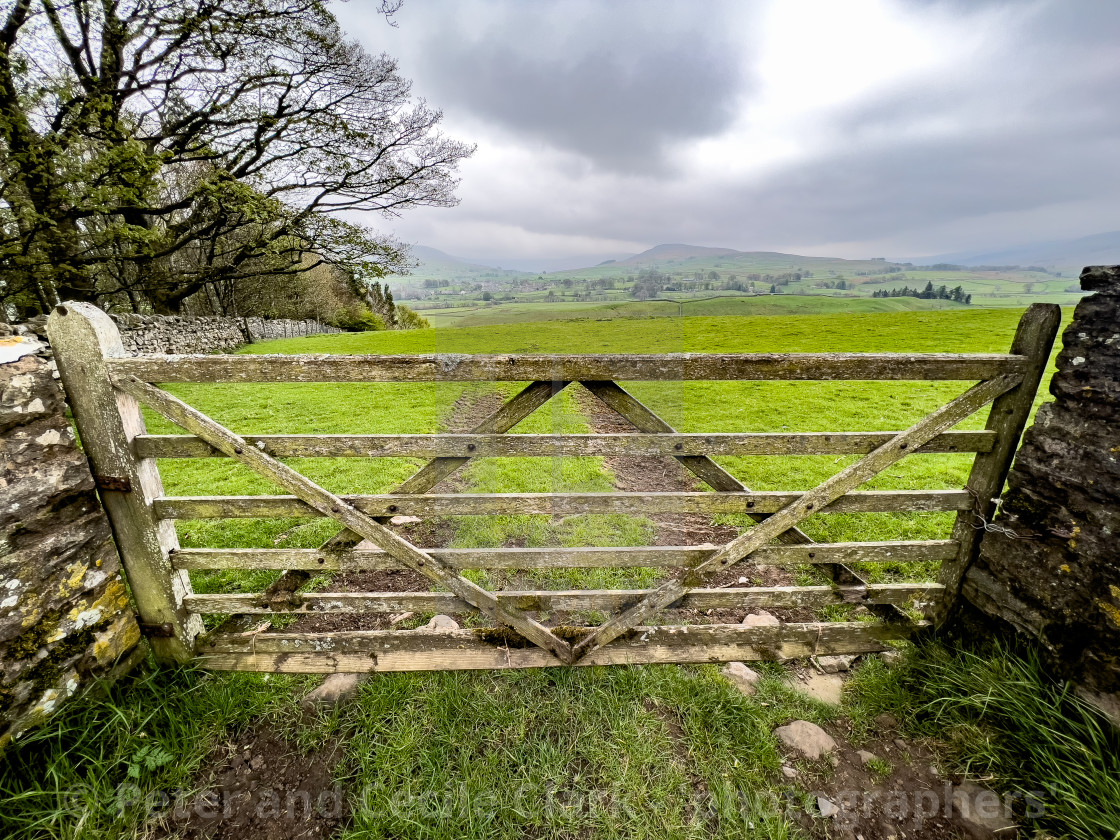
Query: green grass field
{"type": "Point", "coordinates": [706, 283]}
{"type": "Point", "coordinates": [634, 752]}
{"type": "Point", "coordinates": [727, 305]}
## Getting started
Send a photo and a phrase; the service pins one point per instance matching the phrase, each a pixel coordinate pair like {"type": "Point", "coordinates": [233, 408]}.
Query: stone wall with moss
{"type": "Point", "coordinates": [1050, 563]}
{"type": "Point", "coordinates": [65, 616]}
{"type": "Point", "coordinates": [188, 334]}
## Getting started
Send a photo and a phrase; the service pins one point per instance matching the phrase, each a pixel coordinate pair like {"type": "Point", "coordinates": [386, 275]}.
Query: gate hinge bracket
{"type": "Point", "coordinates": [160, 631]}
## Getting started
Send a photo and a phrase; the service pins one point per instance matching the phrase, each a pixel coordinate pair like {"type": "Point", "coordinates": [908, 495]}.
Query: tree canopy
{"type": "Point", "coordinates": [154, 149]}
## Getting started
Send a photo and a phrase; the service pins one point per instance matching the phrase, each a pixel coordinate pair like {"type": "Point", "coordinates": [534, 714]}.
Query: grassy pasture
{"type": "Point", "coordinates": [724, 305]}
{"type": "Point", "coordinates": [697, 284]}
{"type": "Point", "coordinates": [638, 752]}
{"type": "Point", "coordinates": [692, 407]}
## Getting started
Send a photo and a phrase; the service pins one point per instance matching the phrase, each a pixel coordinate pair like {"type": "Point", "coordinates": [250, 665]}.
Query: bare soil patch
{"type": "Point", "coordinates": [907, 798]}
{"type": "Point", "coordinates": [261, 787]}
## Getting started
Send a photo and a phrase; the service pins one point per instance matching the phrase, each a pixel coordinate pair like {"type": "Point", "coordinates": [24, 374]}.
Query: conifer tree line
{"type": "Point", "coordinates": [928, 293]}
{"type": "Point", "coordinates": [207, 157]}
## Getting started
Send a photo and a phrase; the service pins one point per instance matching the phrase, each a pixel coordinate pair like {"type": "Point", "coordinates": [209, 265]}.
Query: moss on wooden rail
{"type": "Point", "coordinates": [352, 560]}
{"type": "Point", "coordinates": [566, 504]}
{"type": "Point", "coordinates": [520, 446]}
{"type": "Point", "coordinates": [968, 367]}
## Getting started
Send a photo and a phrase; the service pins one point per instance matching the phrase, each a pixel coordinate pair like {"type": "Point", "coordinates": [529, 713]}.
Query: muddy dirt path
{"type": "Point", "coordinates": [653, 474]}
{"type": "Point", "coordinates": [664, 474]}
{"type": "Point", "coordinates": [469, 410]}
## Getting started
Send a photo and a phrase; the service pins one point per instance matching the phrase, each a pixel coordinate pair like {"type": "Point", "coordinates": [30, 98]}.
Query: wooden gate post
{"type": "Point", "coordinates": [82, 337]}
{"type": "Point", "coordinates": [1008, 417]}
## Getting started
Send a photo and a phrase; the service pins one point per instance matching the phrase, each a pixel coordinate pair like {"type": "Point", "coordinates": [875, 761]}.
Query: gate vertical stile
{"type": "Point", "coordinates": [82, 338]}
{"type": "Point", "coordinates": [1007, 417]}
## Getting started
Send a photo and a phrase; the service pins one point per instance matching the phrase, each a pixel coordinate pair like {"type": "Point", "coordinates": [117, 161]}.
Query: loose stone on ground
{"type": "Point", "coordinates": [825, 688]}
{"type": "Point", "coordinates": [761, 619]}
{"type": "Point", "coordinates": [835, 664]}
{"type": "Point", "coordinates": [806, 738]}
{"type": "Point", "coordinates": [742, 677]}
{"type": "Point", "coordinates": [335, 689]}
{"type": "Point", "coordinates": [982, 813]}
{"type": "Point", "coordinates": [442, 622]}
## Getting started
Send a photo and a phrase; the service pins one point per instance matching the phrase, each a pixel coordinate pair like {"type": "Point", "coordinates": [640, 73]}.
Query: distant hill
{"type": "Point", "coordinates": [1066, 254]}
{"type": "Point", "coordinates": [677, 251]}
{"type": "Point", "coordinates": [432, 257]}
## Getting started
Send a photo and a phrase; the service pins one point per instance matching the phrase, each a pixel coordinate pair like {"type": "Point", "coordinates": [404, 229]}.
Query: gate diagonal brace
{"type": "Point", "coordinates": [508, 415]}
{"type": "Point", "coordinates": [338, 509]}
{"type": "Point", "coordinates": [641, 417]}
{"type": "Point", "coordinates": [807, 505]}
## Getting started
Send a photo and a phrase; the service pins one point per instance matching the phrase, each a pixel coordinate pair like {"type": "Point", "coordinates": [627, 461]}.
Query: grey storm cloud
{"type": "Point", "coordinates": [1025, 121]}
{"type": "Point", "coordinates": [617, 83]}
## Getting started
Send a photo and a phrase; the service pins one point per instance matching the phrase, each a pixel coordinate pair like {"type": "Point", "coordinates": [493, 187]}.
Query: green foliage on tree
{"type": "Point", "coordinates": [153, 151]}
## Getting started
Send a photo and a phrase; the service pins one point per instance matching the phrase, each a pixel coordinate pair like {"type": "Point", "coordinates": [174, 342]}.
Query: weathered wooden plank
{"type": "Point", "coordinates": [508, 415]}
{"type": "Point", "coordinates": [1033, 341]}
{"type": "Point", "coordinates": [566, 504]}
{"type": "Point", "coordinates": [926, 551]}
{"type": "Point", "coordinates": [336, 508]}
{"type": "Point", "coordinates": [465, 446]}
{"type": "Point", "coordinates": [641, 417]}
{"type": "Point", "coordinates": [567, 368]}
{"type": "Point", "coordinates": [612, 600]}
{"type": "Point", "coordinates": [84, 339]}
{"type": "Point", "coordinates": [512, 412]}
{"type": "Point", "coordinates": [421, 650]}
{"type": "Point", "coordinates": [806, 505]}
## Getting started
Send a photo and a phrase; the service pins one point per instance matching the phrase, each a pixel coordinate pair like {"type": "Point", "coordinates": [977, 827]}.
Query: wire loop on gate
{"type": "Point", "coordinates": [993, 527]}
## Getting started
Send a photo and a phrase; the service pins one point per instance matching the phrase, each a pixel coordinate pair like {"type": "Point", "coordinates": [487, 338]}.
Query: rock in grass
{"type": "Point", "coordinates": [835, 664]}
{"type": "Point", "coordinates": [866, 757]}
{"type": "Point", "coordinates": [442, 622]}
{"type": "Point", "coordinates": [982, 813]}
{"type": "Point", "coordinates": [806, 738]}
{"type": "Point", "coordinates": [404, 520]}
{"type": "Point", "coordinates": [742, 677]}
{"type": "Point", "coordinates": [891, 657]}
{"type": "Point", "coordinates": [761, 619]}
{"type": "Point", "coordinates": [824, 688]}
{"type": "Point", "coordinates": [827, 807]}
{"type": "Point", "coordinates": [335, 689]}
{"type": "Point", "coordinates": [886, 721]}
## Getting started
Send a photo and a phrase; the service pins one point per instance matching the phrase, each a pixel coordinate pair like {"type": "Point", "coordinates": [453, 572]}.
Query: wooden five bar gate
{"type": "Point", "coordinates": [105, 385]}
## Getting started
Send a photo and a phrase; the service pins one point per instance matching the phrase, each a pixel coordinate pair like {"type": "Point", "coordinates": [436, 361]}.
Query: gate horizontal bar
{"type": "Point", "coordinates": [520, 368]}
{"type": "Point", "coordinates": [485, 648]}
{"type": "Point", "coordinates": [508, 446]}
{"type": "Point", "coordinates": [354, 560]}
{"type": "Point", "coordinates": [613, 600]}
{"type": "Point", "coordinates": [566, 504]}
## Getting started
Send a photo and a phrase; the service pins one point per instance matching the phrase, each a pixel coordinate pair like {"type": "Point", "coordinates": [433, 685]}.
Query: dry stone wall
{"type": "Point", "coordinates": [174, 334]}
{"type": "Point", "coordinates": [1050, 563]}
{"type": "Point", "coordinates": [65, 617]}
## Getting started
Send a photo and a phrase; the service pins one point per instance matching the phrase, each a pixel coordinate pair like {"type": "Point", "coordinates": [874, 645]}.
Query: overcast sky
{"type": "Point", "coordinates": [857, 128]}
